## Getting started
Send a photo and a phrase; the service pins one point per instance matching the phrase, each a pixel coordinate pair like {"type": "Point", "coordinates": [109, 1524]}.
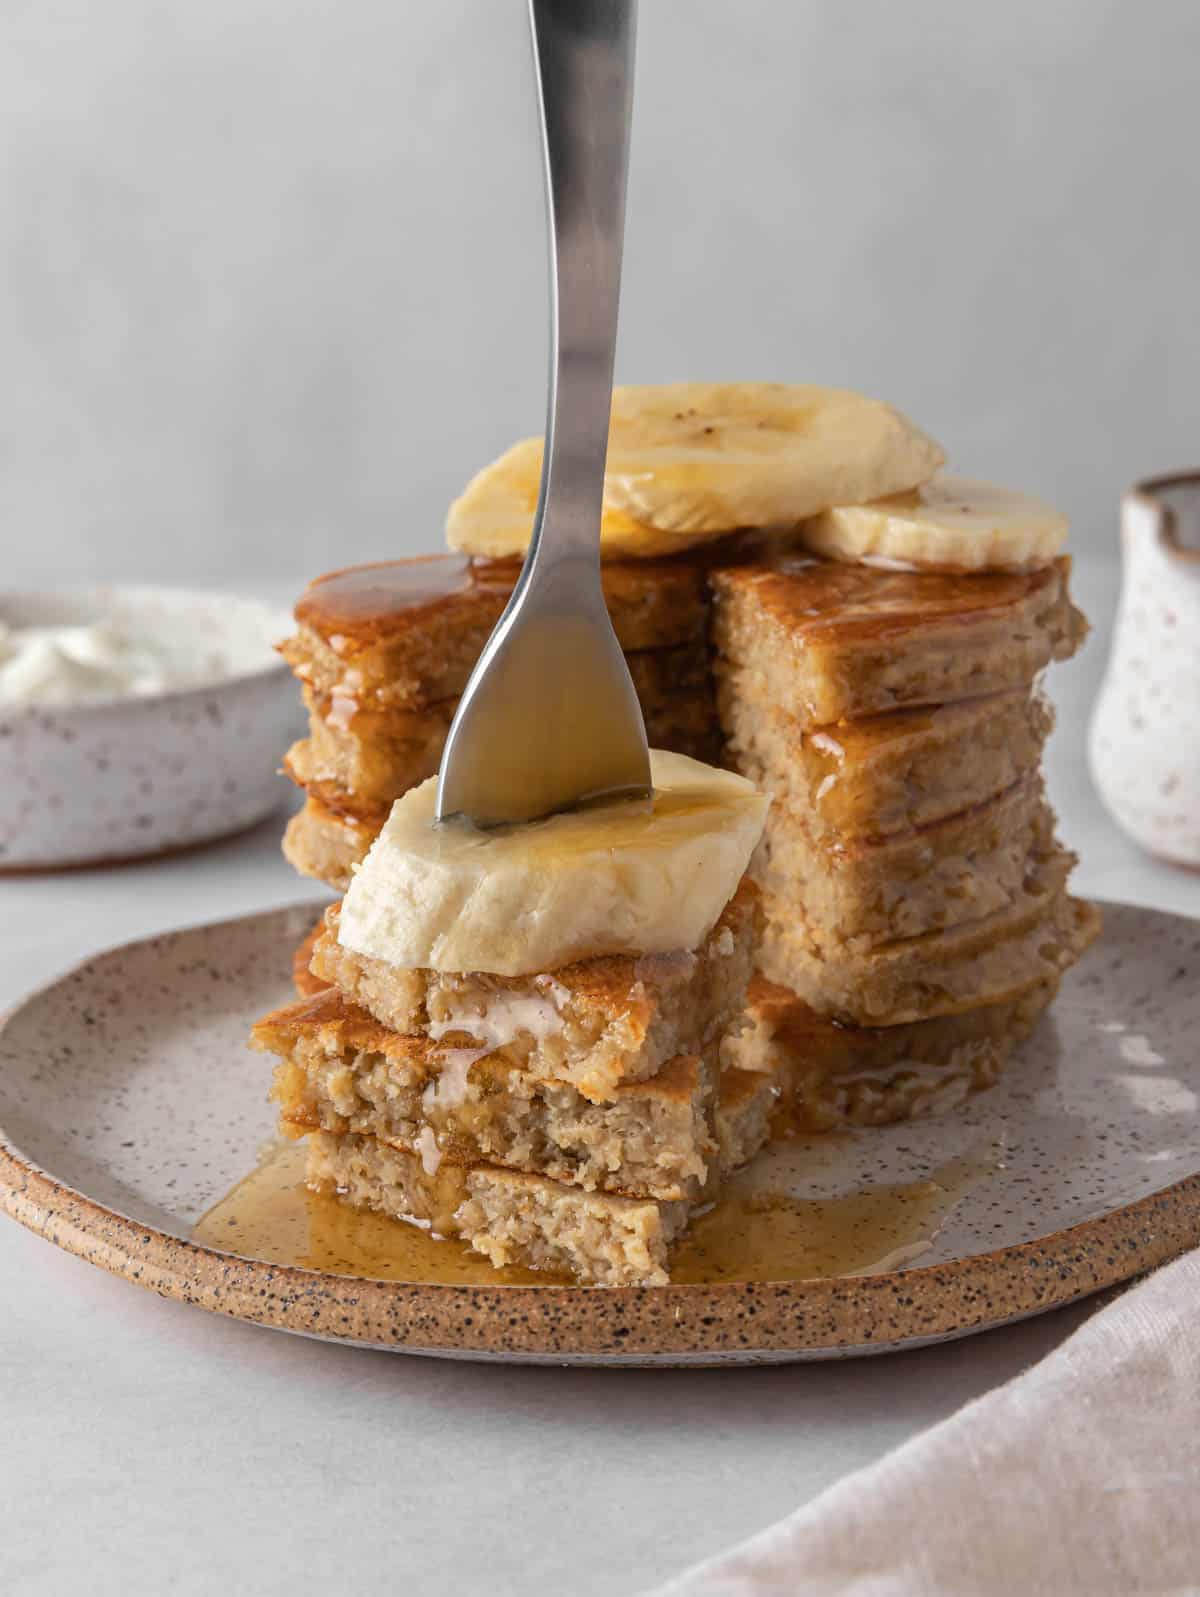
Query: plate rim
{"type": "Point", "coordinates": [725, 1322]}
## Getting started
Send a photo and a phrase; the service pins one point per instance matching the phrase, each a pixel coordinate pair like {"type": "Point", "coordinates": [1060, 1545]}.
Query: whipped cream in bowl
{"type": "Point", "coordinates": [135, 720]}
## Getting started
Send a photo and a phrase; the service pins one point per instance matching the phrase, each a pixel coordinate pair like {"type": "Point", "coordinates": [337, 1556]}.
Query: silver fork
{"type": "Point", "coordinates": [550, 718]}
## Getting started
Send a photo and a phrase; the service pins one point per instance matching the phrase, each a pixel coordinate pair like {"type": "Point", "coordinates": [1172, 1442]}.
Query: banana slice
{"type": "Point", "coordinates": [711, 457]}
{"type": "Point", "coordinates": [629, 878]}
{"type": "Point", "coordinates": [949, 524]}
{"type": "Point", "coordinates": [493, 516]}
{"type": "Point", "coordinates": [690, 462]}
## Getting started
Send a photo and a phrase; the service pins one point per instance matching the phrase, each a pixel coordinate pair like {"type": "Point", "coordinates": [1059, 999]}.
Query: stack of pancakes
{"type": "Point", "coordinates": [916, 905]}
{"type": "Point", "coordinates": [568, 1121]}
{"type": "Point", "coordinates": [916, 914]}
{"type": "Point", "coordinates": [803, 596]}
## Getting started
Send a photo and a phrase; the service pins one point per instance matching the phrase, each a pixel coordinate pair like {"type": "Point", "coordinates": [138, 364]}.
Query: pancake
{"type": "Point", "coordinates": [988, 961]}
{"type": "Point", "coordinates": [886, 773]}
{"type": "Point", "coordinates": [833, 1077]}
{"type": "Point", "coordinates": [834, 642]}
{"type": "Point", "coordinates": [407, 633]}
{"type": "Point", "coordinates": [326, 843]}
{"type": "Point", "coordinates": [341, 1071]}
{"type": "Point", "coordinates": [373, 756]}
{"type": "Point", "coordinates": [856, 895]}
{"type": "Point", "coordinates": [593, 1238]}
{"type": "Point", "coordinates": [512, 1217]}
{"type": "Point", "coordinates": [594, 1024]}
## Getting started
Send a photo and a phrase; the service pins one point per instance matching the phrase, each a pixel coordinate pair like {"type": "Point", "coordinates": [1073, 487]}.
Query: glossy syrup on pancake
{"type": "Point", "coordinates": [361, 604]}
{"type": "Point", "coordinates": [829, 599]}
{"type": "Point", "coordinates": [654, 604]}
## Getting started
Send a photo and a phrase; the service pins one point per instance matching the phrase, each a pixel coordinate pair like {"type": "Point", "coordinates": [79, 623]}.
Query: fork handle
{"type": "Point", "coordinates": [583, 52]}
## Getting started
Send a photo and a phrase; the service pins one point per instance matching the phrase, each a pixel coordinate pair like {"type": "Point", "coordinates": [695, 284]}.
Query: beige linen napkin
{"type": "Point", "coordinates": [1080, 1476]}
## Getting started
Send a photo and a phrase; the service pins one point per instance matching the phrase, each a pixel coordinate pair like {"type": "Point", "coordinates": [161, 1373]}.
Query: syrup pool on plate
{"type": "Point", "coordinates": [745, 1236]}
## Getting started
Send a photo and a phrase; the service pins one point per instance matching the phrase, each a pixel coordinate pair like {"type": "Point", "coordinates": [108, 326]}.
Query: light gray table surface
{"type": "Point", "coordinates": [151, 1448]}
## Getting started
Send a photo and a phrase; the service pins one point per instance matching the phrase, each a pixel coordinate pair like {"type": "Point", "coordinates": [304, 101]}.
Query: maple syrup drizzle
{"type": "Point", "coordinates": [749, 1236]}
{"type": "Point", "coordinates": [363, 601]}
{"type": "Point", "coordinates": [272, 1215]}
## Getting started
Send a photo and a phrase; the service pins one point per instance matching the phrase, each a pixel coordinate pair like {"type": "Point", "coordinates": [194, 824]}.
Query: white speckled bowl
{"type": "Point", "coordinates": [91, 783]}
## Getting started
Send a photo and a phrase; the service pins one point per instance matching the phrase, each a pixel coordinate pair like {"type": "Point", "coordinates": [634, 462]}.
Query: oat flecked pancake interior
{"type": "Point", "coordinates": [911, 916]}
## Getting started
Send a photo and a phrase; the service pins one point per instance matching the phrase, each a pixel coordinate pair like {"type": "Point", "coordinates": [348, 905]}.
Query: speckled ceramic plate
{"type": "Point", "coordinates": [129, 1104]}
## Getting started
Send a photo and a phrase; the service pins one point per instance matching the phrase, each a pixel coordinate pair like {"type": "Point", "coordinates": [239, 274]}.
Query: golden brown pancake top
{"type": "Point", "coordinates": [818, 599]}
{"type": "Point", "coordinates": [363, 604]}
{"type": "Point", "coordinates": [359, 606]}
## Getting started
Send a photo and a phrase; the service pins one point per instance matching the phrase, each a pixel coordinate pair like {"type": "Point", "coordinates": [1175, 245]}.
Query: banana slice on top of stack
{"type": "Point", "coordinates": [493, 517]}
{"type": "Point", "coordinates": [949, 524]}
{"type": "Point", "coordinates": [847, 477]}
{"type": "Point", "coordinates": [690, 462]}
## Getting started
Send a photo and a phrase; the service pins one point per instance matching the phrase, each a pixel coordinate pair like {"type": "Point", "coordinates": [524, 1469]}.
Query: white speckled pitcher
{"type": "Point", "coordinates": [1145, 734]}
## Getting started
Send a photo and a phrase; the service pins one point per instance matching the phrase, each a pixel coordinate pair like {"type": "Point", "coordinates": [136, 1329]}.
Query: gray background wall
{"type": "Point", "coordinates": [272, 283]}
